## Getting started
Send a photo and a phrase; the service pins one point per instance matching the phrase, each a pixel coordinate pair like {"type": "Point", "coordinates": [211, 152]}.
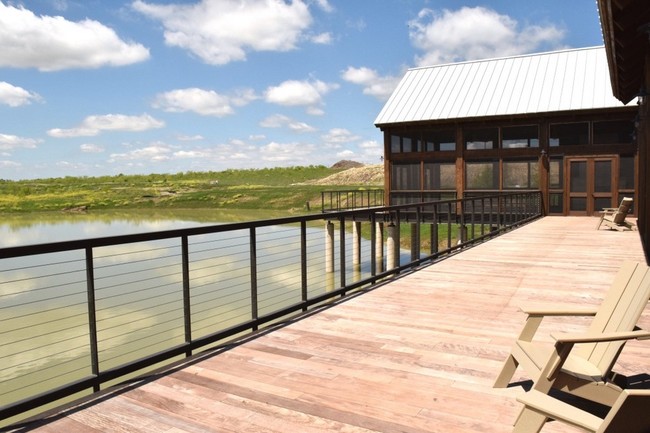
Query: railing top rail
{"type": "Point", "coordinates": [54, 247]}
{"type": "Point", "coordinates": [203, 276]}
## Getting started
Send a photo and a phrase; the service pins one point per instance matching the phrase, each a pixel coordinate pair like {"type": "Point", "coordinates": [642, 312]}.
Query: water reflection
{"type": "Point", "coordinates": [44, 328]}
{"type": "Point", "coordinates": [42, 227]}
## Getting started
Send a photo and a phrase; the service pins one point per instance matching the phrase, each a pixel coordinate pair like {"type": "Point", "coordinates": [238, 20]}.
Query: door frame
{"type": "Point", "coordinates": [590, 194]}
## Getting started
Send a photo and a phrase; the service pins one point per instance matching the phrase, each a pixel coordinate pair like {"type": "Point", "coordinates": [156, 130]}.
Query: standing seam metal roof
{"type": "Point", "coordinates": [576, 79]}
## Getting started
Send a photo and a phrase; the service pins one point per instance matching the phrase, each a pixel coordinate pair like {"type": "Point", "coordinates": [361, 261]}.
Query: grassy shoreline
{"type": "Point", "coordinates": [290, 189]}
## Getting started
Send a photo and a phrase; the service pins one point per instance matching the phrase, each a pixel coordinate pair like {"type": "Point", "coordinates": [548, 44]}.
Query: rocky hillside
{"type": "Point", "coordinates": [366, 175]}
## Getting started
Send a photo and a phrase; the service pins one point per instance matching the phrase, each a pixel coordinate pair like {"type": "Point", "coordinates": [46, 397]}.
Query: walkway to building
{"type": "Point", "coordinates": [419, 354]}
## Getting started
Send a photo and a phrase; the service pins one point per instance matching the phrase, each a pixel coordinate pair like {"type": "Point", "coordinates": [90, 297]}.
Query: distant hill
{"type": "Point", "coordinates": [366, 175]}
{"type": "Point", "coordinates": [346, 164]}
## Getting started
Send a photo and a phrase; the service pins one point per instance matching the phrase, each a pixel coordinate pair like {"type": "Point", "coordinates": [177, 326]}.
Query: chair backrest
{"type": "Point", "coordinates": [629, 414]}
{"type": "Point", "coordinates": [620, 311]}
{"type": "Point", "coordinates": [622, 211]}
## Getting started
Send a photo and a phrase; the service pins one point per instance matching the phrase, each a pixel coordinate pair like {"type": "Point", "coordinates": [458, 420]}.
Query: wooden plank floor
{"type": "Point", "coordinates": [419, 354]}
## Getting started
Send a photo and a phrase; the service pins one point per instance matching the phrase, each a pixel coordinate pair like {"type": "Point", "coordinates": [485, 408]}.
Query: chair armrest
{"type": "Point", "coordinates": [554, 310]}
{"type": "Point", "coordinates": [600, 337]}
{"type": "Point", "coordinates": [557, 409]}
{"type": "Point", "coordinates": [564, 344]}
{"type": "Point", "coordinates": [536, 316]}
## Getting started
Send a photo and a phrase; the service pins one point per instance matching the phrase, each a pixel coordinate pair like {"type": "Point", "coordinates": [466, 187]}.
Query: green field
{"type": "Point", "coordinates": [272, 188]}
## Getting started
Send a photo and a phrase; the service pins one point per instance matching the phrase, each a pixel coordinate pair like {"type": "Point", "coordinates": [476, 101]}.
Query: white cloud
{"type": "Point", "coordinates": [373, 84]}
{"type": "Point", "coordinates": [9, 164]}
{"type": "Point", "coordinates": [52, 43]}
{"type": "Point", "coordinates": [324, 5]}
{"type": "Point", "coordinates": [200, 101]}
{"type": "Point", "coordinates": [196, 137]}
{"type": "Point", "coordinates": [338, 136]}
{"type": "Point", "coordinates": [345, 154]}
{"type": "Point", "coordinates": [14, 96]}
{"type": "Point", "coordinates": [372, 148]}
{"type": "Point", "coordinates": [223, 31]}
{"type": "Point", "coordinates": [94, 125]}
{"type": "Point", "coordinates": [297, 93]}
{"type": "Point", "coordinates": [91, 148]}
{"type": "Point", "coordinates": [286, 153]}
{"type": "Point", "coordinates": [152, 153]}
{"type": "Point", "coordinates": [10, 142]}
{"type": "Point", "coordinates": [281, 121]}
{"type": "Point", "coordinates": [476, 33]}
{"type": "Point", "coordinates": [322, 39]}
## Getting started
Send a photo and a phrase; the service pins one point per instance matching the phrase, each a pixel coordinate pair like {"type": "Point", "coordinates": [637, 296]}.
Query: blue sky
{"type": "Point", "coordinates": [103, 87]}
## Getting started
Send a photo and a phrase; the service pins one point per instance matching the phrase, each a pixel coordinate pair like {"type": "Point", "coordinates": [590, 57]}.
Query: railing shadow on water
{"type": "Point", "coordinates": [80, 316]}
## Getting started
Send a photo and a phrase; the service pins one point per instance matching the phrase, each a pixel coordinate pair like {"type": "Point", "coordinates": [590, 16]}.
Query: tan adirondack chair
{"type": "Point", "coordinates": [614, 218]}
{"type": "Point", "coordinates": [585, 370]}
{"type": "Point", "coordinates": [629, 414]}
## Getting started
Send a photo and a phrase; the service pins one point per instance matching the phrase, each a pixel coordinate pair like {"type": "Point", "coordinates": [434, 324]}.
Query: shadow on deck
{"type": "Point", "coordinates": [418, 354]}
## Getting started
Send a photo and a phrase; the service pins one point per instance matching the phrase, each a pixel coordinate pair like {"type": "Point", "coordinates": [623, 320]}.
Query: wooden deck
{"type": "Point", "coordinates": [419, 354]}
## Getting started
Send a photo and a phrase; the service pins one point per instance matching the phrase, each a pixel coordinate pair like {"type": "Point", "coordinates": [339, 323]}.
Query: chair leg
{"type": "Point", "coordinates": [529, 421]}
{"type": "Point", "coordinates": [600, 221]}
{"type": "Point", "coordinates": [507, 371]}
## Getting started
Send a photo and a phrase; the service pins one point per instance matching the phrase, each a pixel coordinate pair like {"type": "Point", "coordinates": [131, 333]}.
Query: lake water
{"type": "Point", "coordinates": [43, 302]}
{"type": "Point", "coordinates": [36, 228]}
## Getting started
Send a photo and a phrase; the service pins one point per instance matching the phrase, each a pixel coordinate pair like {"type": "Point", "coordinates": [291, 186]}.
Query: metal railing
{"type": "Point", "coordinates": [81, 316]}
{"type": "Point", "coordinates": [336, 201]}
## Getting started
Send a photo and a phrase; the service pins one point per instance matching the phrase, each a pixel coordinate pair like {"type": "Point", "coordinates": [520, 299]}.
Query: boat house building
{"type": "Point", "coordinates": [626, 32]}
{"type": "Point", "coordinates": [547, 122]}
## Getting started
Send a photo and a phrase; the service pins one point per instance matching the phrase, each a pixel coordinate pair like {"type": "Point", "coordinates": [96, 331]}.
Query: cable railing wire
{"type": "Point", "coordinates": [153, 302]}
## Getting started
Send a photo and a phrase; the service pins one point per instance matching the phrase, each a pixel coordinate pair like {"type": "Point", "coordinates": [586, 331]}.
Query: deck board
{"type": "Point", "coordinates": [418, 354]}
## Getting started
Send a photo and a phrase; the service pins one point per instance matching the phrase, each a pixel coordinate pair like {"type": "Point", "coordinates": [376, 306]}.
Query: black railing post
{"type": "Point", "coordinates": [303, 263]}
{"type": "Point", "coordinates": [253, 270]}
{"type": "Point", "coordinates": [373, 247]}
{"type": "Point", "coordinates": [342, 249]}
{"type": "Point", "coordinates": [92, 316]}
{"type": "Point", "coordinates": [187, 303]}
{"type": "Point", "coordinates": [449, 224]}
{"type": "Point", "coordinates": [415, 235]}
{"type": "Point", "coordinates": [434, 230]}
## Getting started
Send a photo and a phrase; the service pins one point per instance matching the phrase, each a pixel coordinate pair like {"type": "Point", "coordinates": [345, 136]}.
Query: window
{"type": "Point", "coordinates": [483, 138]}
{"type": "Point", "coordinates": [514, 137]}
{"type": "Point", "coordinates": [569, 134]}
{"type": "Point", "coordinates": [403, 144]}
{"type": "Point", "coordinates": [520, 174]}
{"type": "Point", "coordinates": [626, 173]}
{"type": "Point", "coordinates": [395, 144]}
{"type": "Point", "coordinates": [555, 174]}
{"type": "Point", "coordinates": [556, 203]}
{"type": "Point", "coordinates": [613, 132]}
{"type": "Point", "coordinates": [556, 185]}
{"type": "Point", "coordinates": [603, 177]}
{"type": "Point", "coordinates": [438, 176]}
{"type": "Point", "coordinates": [482, 175]}
{"type": "Point", "coordinates": [405, 177]}
{"type": "Point", "coordinates": [440, 140]}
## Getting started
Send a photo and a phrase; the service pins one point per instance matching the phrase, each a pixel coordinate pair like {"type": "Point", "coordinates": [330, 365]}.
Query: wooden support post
{"type": "Point", "coordinates": [356, 243]}
{"type": "Point", "coordinates": [379, 246]}
{"type": "Point", "coordinates": [434, 238]}
{"type": "Point", "coordinates": [392, 247]}
{"type": "Point", "coordinates": [329, 247]}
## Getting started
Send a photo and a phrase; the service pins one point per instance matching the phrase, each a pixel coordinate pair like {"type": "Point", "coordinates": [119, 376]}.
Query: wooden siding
{"type": "Point", "coordinates": [418, 354]}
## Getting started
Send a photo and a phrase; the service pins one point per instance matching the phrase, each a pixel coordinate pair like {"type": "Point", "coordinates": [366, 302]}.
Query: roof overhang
{"type": "Point", "coordinates": [626, 32]}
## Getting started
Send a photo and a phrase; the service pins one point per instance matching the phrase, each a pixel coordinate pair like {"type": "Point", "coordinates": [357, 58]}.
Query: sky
{"type": "Point", "coordinates": [108, 87]}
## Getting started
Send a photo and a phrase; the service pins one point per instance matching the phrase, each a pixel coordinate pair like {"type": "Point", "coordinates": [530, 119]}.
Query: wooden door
{"type": "Point", "coordinates": [591, 184]}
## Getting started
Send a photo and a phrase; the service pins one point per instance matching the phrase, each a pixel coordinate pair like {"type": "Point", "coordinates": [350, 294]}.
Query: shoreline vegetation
{"type": "Point", "coordinates": [290, 190]}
